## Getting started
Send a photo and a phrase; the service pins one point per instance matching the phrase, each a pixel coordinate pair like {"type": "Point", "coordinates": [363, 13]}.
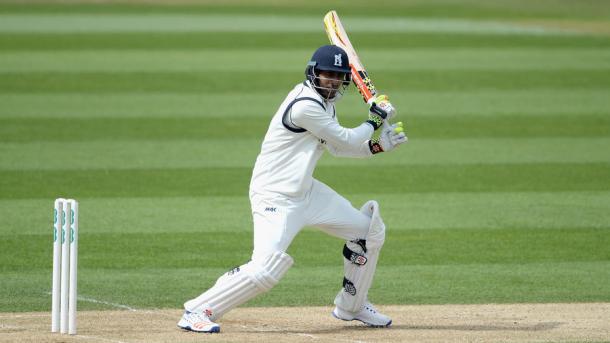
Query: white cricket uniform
{"type": "Point", "coordinates": [283, 193]}
{"type": "Point", "coordinates": [285, 197]}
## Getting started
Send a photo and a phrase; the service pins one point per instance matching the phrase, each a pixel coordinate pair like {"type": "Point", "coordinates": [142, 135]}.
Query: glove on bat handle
{"type": "Point", "coordinates": [378, 111]}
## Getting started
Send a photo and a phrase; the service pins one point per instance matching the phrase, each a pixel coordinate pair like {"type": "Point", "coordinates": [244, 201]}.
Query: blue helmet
{"type": "Point", "coordinates": [328, 58]}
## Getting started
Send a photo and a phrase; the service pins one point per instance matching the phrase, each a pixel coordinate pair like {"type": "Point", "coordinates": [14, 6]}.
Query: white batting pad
{"type": "Point", "coordinates": [241, 284]}
{"type": "Point", "coordinates": [376, 235]}
{"type": "Point", "coordinates": [358, 277]}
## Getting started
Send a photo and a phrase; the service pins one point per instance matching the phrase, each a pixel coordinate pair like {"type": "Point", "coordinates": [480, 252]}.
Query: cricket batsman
{"type": "Point", "coordinates": [285, 197]}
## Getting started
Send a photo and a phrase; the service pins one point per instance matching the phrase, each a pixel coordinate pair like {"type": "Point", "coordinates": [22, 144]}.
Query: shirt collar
{"type": "Point", "coordinates": [308, 84]}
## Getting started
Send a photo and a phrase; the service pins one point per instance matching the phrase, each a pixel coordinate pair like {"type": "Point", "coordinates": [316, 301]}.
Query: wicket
{"type": "Point", "coordinates": [65, 263]}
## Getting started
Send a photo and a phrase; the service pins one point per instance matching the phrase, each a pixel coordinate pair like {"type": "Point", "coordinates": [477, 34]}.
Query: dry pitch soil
{"type": "Point", "coordinates": [588, 322]}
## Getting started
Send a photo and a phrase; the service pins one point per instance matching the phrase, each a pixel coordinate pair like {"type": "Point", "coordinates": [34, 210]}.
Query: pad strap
{"type": "Point", "coordinates": [349, 287]}
{"type": "Point", "coordinates": [354, 257]}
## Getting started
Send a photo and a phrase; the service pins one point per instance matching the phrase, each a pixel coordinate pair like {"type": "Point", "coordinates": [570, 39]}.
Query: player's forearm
{"type": "Point", "coordinates": [344, 139]}
{"type": "Point", "coordinates": [362, 151]}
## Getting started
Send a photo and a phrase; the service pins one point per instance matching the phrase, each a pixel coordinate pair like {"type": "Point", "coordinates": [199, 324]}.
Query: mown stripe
{"type": "Point", "coordinates": [281, 41]}
{"type": "Point", "coordinates": [63, 23]}
{"type": "Point", "coordinates": [415, 247]}
{"type": "Point", "coordinates": [544, 282]}
{"type": "Point", "coordinates": [392, 8]}
{"type": "Point", "coordinates": [493, 283]}
{"type": "Point", "coordinates": [492, 103]}
{"type": "Point", "coordinates": [289, 60]}
{"type": "Point", "coordinates": [405, 211]}
{"type": "Point", "coordinates": [143, 105]}
{"type": "Point", "coordinates": [240, 152]}
{"type": "Point", "coordinates": [223, 81]}
{"type": "Point", "coordinates": [495, 103]}
{"type": "Point", "coordinates": [541, 177]}
{"type": "Point", "coordinates": [159, 129]}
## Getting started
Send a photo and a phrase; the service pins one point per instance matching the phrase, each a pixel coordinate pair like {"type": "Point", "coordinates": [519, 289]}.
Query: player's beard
{"type": "Point", "coordinates": [331, 94]}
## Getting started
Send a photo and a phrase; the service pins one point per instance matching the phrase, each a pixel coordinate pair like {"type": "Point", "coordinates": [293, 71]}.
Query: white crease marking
{"type": "Point", "coordinates": [96, 301]}
{"type": "Point", "coordinates": [121, 306]}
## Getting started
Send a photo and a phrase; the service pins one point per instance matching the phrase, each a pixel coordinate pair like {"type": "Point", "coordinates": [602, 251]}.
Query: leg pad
{"type": "Point", "coordinates": [241, 284]}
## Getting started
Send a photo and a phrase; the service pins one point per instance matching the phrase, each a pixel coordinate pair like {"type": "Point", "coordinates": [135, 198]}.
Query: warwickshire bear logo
{"type": "Point", "coordinates": [338, 61]}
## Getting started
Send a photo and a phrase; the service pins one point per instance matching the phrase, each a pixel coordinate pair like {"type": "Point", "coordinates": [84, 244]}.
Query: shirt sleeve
{"type": "Point", "coordinates": [359, 152]}
{"type": "Point", "coordinates": [344, 141]}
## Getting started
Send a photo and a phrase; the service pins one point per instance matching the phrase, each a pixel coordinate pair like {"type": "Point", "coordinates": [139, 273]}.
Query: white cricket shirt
{"type": "Point", "coordinates": [303, 126]}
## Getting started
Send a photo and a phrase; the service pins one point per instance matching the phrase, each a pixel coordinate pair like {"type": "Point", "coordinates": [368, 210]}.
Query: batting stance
{"type": "Point", "coordinates": [285, 197]}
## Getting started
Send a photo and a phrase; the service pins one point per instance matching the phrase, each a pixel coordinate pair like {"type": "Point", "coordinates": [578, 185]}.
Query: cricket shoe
{"type": "Point", "coordinates": [368, 315]}
{"type": "Point", "coordinates": [197, 322]}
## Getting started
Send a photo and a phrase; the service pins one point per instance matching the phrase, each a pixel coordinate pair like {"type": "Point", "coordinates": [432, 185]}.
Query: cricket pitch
{"type": "Point", "coordinates": [579, 322]}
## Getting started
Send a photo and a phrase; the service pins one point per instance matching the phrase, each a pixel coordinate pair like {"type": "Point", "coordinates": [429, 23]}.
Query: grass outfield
{"type": "Point", "coordinates": [152, 116]}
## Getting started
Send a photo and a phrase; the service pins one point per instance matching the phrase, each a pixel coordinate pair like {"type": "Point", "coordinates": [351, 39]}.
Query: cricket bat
{"type": "Point", "coordinates": [337, 36]}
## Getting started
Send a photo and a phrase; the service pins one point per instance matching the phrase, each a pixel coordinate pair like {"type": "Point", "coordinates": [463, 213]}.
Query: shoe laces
{"type": "Point", "coordinates": [370, 308]}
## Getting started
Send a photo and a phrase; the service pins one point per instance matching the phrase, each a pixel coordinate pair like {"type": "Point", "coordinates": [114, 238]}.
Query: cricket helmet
{"type": "Point", "coordinates": [329, 58]}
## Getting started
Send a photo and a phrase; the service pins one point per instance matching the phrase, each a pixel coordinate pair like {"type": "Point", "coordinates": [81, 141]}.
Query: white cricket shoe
{"type": "Point", "coordinates": [198, 322]}
{"type": "Point", "coordinates": [368, 315]}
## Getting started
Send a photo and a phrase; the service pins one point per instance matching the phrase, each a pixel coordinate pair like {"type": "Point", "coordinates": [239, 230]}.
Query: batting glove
{"type": "Point", "coordinates": [381, 109]}
{"type": "Point", "coordinates": [391, 136]}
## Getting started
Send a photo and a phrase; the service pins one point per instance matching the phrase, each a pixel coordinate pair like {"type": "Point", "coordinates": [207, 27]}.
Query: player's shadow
{"type": "Point", "coordinates": [465, 327]}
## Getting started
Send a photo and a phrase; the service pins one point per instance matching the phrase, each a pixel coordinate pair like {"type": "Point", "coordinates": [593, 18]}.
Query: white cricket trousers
{"type": "Point", "coordinates": [278, 219]}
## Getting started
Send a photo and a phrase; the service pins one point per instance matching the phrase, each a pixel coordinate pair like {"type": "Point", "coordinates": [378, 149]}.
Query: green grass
{"type": "Point", "coordinates": [510, 262]}
{"type": "Point", "coordinates": [195, 41]}
{"type": "Point", "coordinates": [168, 129]}
{"type": "Point", "coordinates": [152, 117]}
{"type": "Point", "coordinates": [585, 9]}
{"type": "Point", "coordinates": [539, 177]}
{"type": "Point", "coordinates": [203, 82]}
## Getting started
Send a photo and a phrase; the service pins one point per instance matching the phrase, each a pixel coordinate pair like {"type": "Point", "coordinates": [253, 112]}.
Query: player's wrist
{"type": "Point", "coordinates": [375, 146]}
{"type": "Point", "coordinates": [375, 121]}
